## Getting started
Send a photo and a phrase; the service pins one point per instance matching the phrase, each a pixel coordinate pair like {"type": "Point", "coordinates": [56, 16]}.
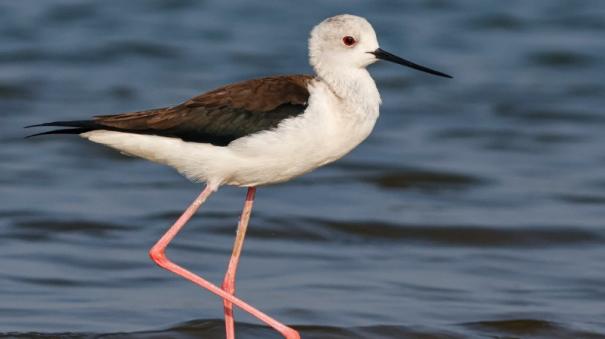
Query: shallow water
{"type": "Point", "coordinates": [475, 209]}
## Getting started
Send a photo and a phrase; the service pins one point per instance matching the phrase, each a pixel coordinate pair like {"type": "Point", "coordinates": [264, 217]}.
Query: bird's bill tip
{"type": "Point", "coordinates": [381, 54]}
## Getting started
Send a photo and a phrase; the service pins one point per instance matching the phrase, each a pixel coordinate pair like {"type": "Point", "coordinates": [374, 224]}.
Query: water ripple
{"type": "Point", "coordinates": [214, 329]}
{"type": "Point", "coordinates": [458, 235]}
{"type": "Point", "coordinates": [474, 209]}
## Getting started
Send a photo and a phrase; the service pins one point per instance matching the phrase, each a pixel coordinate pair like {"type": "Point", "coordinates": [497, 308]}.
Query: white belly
{"type": "Point", "coordinates": [298, 146]}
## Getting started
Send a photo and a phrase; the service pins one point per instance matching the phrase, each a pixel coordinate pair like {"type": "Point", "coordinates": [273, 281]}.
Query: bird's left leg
{"type": "Point", "coordinates": [229, 282]}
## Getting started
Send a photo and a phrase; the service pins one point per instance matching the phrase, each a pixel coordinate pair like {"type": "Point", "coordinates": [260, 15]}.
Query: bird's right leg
{"type": "Point", "coordinates": [229, 281]}
{"type": "Point", "coordinates": [157, 254]}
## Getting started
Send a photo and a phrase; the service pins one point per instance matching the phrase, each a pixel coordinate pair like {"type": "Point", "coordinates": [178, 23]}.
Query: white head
{"type": "Point", "coordinates": [342, 41]}
{"type": "Point", "coordinates": [348, 42]}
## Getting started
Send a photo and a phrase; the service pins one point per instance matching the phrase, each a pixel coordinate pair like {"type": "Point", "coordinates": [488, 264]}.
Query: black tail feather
{"type": "Point", "coordinates": [77, 127]}
{"type": "Point", "coordinates": [72, 123]}
{"type": "Point", "coordinates": [62, 131]}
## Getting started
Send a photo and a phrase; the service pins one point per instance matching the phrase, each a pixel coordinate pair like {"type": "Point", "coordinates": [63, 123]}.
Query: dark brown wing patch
{"type": "Point", "coordinates": [258, 95]}
{"type": "Point", "coordinates": [217, 117]}
{"type": "Point", "coordinates": [222, 115]}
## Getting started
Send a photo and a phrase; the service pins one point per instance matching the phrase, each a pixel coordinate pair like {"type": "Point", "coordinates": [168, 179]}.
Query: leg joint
{"type": "Point", "coordinates": [158, 255]}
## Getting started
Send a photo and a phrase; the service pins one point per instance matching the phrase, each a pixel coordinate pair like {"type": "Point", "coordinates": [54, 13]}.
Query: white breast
{"type": "Point", "coordinates": [325, 132]}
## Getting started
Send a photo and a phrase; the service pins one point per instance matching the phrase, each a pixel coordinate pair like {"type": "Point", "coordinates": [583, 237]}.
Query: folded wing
{"type": "Point", "coordinates": [217, 117]}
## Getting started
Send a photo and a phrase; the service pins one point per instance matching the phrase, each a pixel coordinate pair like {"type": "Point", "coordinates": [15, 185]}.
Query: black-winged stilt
{"type": "Point", "coordinates": [256, 132]}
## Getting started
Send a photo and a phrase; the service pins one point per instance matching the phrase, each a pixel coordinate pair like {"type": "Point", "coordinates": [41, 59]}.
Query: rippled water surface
{"type": "Point", "coordinates": [475, 209]}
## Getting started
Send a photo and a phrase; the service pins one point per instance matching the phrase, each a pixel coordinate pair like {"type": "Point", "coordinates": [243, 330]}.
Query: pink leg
{"type": "Point", "coordinates": [157, 254]}
{"type": "Point", "coordinates": [229, 282]}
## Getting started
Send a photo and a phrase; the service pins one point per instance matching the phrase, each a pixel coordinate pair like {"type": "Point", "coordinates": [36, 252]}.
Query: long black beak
{"type": "Point", "coordinates": [384, 55]}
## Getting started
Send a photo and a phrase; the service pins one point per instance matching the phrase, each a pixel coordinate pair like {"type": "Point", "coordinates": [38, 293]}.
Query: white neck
{"type": "Point", "coordinates": [354, 87]}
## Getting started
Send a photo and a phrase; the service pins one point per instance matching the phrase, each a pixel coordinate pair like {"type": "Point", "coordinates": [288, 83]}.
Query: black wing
{"type": "Point", "coordinates": [217, 117]}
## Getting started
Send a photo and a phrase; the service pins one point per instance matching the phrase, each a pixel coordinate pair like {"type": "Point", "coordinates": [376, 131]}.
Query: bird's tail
{"type": "Point", "coordinates": [74, 127]}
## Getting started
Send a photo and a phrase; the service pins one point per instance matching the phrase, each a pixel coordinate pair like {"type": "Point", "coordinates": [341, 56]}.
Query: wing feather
{"type": "Point", "coordinates": [219, 116]}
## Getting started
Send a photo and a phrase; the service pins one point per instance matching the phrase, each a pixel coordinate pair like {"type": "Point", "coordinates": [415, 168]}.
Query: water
{"type": "Point", "coordinates": [475, 209]}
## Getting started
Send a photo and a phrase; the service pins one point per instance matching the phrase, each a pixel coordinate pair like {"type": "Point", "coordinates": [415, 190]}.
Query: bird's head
{"type": "Point", "coordinates": [347, 42]}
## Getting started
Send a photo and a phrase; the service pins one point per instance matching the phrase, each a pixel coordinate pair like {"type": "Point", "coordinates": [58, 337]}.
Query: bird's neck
{"type": "Point", "coordinates": [354, 87]}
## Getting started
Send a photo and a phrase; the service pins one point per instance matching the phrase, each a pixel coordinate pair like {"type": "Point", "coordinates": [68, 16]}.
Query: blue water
{"type": "Point", "coordinates": [475, 209]}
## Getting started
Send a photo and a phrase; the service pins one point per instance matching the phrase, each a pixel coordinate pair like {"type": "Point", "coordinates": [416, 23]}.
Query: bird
{"type": "Point", "coordinates": [255, 133]}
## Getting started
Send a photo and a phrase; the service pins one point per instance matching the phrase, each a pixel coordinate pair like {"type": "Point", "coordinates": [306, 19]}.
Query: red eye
{"type": "Point", "coordinates": [348, 40]}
